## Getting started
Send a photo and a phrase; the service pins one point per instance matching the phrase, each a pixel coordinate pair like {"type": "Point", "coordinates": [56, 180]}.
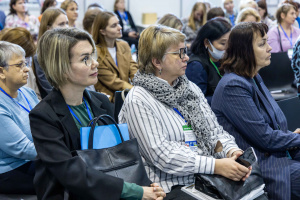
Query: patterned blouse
{"type": "Point", "coordinates": [296, 64]}
{"type": "Point", "coordinates": [32, 25]}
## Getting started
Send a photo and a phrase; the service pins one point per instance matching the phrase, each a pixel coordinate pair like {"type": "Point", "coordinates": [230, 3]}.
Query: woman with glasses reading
{"type": "Point", "coordinates": [177, 132]}
{"type": "Point", "coordinates": [17, 150]}
{"type": "Point", "coordinates": [116, 66]}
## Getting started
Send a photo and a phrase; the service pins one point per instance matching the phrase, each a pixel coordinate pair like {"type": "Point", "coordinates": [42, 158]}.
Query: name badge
{"type": "Point", "coordinates": [189, 137]}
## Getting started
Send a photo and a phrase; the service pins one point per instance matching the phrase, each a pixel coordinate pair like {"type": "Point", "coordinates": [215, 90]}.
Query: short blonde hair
{"type": "Point", "coordinates": [54, 52]}
{"type": "Point", "coordinates": [170, 20]}
{"type": "Point", "coordinates": [245, 12]}
{"type": "Point", "coordinates": [247, 4]}
{"type": "Point", "coordinates": [64, 5]}
{"type": "Point", "coordinates": [154, 42]}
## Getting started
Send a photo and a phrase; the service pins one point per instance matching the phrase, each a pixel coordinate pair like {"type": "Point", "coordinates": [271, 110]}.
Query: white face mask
{"type": "Point", "coordinates": [215, 53]}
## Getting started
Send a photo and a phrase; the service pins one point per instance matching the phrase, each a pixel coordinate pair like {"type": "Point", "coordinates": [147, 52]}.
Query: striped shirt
{"type": "Point", "coordinates": [158, 129]}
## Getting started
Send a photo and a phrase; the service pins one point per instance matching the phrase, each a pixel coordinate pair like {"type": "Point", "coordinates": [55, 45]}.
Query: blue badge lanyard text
{"type": "Point", "coordinates": [18, 102]}
{"type": "Point", "coordinates": [87, 109]}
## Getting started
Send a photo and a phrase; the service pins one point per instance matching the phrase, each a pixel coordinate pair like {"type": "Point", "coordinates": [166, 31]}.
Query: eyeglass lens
{"type": "Point", "coordinates": [183, 52]}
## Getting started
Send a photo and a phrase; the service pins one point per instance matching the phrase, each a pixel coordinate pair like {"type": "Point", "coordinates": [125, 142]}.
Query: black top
{"type": "Point", "coordinates": [125, 34]}
{"type": "Point", "coordinates": [55, 135]}
{"type": "Point", "coordinates": [213, 77]}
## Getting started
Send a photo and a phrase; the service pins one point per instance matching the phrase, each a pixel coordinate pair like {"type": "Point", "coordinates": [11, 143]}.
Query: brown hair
{"type": "Point", "coordinates": [101, 22]}
{"type": "Point", "coordinates": [64, 5]}
{"type": "Point", "coordinates": [115, 5]}
{"type": "Point", "coordinates": [48, 19]}
{"type": "Point", "coordinates": [20, 36]}
{"type": "Point", "coordinates": [215, 12]}
{"type": "Point", "coordinates": [284, 8]}
{"type": "Point", "coordinates": [191, 22]}
{"type": "Point", "coordinates": [47, 4]}
{"type": "Point", "coordinates": [89, 18]}
{"type": "Point", "coordinates": [239, 57]}
{"type": "Point", "coordinates": [11, 9]}
{"type": "Point", "coordinates": [263, 5]}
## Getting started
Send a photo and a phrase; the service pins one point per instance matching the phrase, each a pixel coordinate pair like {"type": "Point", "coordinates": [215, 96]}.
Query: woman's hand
{"type": "Point", "coordinates": [133, 34]}
{"type": "Point", "coordinates": [229, 168]}
{"type": "Point", "coordinates": [297, 130]}
{"type": "Point", "coordinates": [153, 193]}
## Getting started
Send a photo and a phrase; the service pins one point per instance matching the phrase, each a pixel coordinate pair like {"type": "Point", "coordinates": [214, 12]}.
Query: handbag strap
{"type": "Point", "coordinates": [279, 39]}
{"type": "Point", "coordinates": [123, 95]}
{"type": "Point", "coordinates": [101, 118]}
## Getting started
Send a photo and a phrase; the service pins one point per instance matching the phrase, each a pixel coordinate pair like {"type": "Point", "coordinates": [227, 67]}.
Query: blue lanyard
{"type": "Point", "coordinates": [231, 17]}
{"type": "Point", "coordinates": [291, 38]}
{"type": "Point", "coordinates": [179, 113]}
{"type": "Point", "coordinates": [88, 111]}
{"type": "Point", "coordinates": [124, 16]}
{"type": "Point", "coordinates": [18, 102]}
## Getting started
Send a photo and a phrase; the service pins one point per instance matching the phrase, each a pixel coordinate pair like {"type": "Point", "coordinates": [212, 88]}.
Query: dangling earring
{"type": "Point", "coordinates": [160, 72]}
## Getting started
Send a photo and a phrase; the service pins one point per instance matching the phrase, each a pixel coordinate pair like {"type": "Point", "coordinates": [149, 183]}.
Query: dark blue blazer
{"type": "Point", "coordinates": [247, 111]}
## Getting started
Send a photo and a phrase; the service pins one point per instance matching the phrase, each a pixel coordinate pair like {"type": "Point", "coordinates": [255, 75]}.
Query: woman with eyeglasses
{"type": "Point", "coordinates": [207, 50]}
{"type": "Point", "coordinates": [177, 132]}
{"type": "Point", "coordinates": [17, 150]}
{"type": "Point", "coordinates": [56, 121]}
{"type": "Point", "coordinates": [116, 66]}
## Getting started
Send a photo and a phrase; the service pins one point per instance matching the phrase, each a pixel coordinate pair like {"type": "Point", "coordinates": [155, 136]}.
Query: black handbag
{"type": "Point", "coordinates": [122, 161]}
{"type": "Point", "coordinates": [220, 187]}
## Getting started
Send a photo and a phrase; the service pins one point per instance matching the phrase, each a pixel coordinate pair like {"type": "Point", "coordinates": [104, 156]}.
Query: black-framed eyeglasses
{"type": "Point", "coordinates": [182, 52]}
{"type": "Point", "coordinates": [20, 65]}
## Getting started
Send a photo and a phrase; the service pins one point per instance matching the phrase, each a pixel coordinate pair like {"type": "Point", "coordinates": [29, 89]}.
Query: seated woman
{"type": "Point", "coordinates": [52, 18]}
{"type": "Point", "coordinates": [283, 36]}
{"type": "Point", "coordinates": [22, 37]}
{"type": "Point", "coordinates": [129, 31]}
{"type": "Point", "coordinates": [55, 130]}
{"type": "Point", "coordinates": [248, 15]}
{"type": "Point", "coordinates": [19, 17]}
{"type": "Point", "coordinates": [246, 109]}
{"type": "Point", "coordinates": [207, 50]}
{"type": "Point", "coordinates": [17, 150]}
{"type": "Point", "coordinates": [116, 66]}
{"type": "Point", "coordinates": [195, 21]}
{"type": "Point", "coordinates": [71, 8]}
{"type": "Point", "coordinates": [178, 133]}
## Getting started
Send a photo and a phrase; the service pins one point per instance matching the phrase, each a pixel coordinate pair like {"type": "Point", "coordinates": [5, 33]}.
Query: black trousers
{"type": "Point", "coordinates": [177, 194]}
{"type": "Point", "coordinates": [19, 180]}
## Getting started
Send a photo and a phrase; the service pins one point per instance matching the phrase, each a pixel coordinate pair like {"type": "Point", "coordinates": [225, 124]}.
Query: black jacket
{"type": "Point", "coordinates": [55, 135]}
{"type": "Point", "coordinates": [125, 34]}
{"type": "Point", "coordinates": [213, 77]}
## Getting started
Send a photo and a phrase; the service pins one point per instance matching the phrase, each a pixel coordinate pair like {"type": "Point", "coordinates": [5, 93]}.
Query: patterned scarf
{"type": "Point", "coordinates": [185, 100]}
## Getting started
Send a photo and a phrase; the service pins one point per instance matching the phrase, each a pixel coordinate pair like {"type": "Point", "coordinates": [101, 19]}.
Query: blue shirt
{"type": "Point", "coordinates": [16, 144]}
{"type": "Point", "coordinates": [2, 19]}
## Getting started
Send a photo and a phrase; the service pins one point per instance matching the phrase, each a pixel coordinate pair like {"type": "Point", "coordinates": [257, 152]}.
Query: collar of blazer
{"type": "Point", "coordinates": [263, 96]}
{"type": "Point", "coordinates": [120, 51]}
{"type": "Point", "coordinates": [61, 109]}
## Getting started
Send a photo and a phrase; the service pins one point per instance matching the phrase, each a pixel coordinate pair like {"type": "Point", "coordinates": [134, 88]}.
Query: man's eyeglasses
{"type": "Point", "coordinates": [20, 65]}
{"type": "Point", "coordinates": [88, 59]}
{"type": "Point", "coordinates": [182, 52]}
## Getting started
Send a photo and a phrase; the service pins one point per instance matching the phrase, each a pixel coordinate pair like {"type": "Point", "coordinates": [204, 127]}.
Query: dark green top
{"type": "Point", "coordinates": [130, 191]}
